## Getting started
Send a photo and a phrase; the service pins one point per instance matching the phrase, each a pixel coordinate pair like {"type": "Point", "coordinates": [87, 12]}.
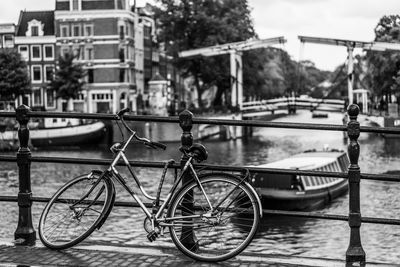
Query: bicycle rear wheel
{"type": "Point", "coordinates": [75, 211]}
{"type": "Point", "coordinates": [214, 236]}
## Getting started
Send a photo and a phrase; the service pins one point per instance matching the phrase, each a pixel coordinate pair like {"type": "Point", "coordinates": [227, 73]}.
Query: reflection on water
{"type": "Point", "coordinates": [306, 237]}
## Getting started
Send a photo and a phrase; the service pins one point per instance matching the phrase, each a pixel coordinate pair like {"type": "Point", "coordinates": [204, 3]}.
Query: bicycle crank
{"type": "Point", "coordinates": [152, 236]}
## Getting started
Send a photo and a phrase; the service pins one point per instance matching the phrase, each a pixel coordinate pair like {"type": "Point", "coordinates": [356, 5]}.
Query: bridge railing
{"type": "Point", "coordinates": [25, 233]}
{"type": "Point", "coordinates": [293, 103]}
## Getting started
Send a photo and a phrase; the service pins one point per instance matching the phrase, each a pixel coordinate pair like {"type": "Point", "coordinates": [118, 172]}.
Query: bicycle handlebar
{"type": "Point", "coordinates": [157, 145]}
{"type": "Point", "coordinates": [147, 142]}
{"type": "Point", "coordinates": [123, 111]}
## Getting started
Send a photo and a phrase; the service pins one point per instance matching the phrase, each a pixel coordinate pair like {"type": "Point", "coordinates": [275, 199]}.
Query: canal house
{"type": "Point", "coordinates": [101, 34]}
{"type": "Point", "coordinates": [35, 41]}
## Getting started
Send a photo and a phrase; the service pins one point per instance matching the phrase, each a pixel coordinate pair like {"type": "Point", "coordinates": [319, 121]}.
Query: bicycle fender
{"type": "Point", "coordinates": [111, 186]}
{"type": "Point", "coordinates": [110, 207]}
{"type": "Point", "coordinates": [237, 179]}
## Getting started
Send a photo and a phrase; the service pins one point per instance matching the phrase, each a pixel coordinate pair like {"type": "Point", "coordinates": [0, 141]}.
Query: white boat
{"type": "Point", "coordinates": [70, 134]}
{"type": "Point", "coordinates": [299, 192]}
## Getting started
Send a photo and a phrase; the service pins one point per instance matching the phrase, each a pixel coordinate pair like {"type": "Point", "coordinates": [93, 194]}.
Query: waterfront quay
{"type": "Point", "coordinates": [302, 239]}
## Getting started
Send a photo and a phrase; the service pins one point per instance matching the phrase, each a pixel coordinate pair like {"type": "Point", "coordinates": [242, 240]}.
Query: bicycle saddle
{"type": "Point", "coordinates": [199, 152]}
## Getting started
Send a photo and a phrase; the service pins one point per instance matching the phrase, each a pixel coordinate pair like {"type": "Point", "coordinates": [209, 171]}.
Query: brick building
{"type": "Point", "coordinates": [35, 41]}
{"type": "Point", "coordinates": [101, 34]}
{"type": "Point", "coordinates": [113, 40]}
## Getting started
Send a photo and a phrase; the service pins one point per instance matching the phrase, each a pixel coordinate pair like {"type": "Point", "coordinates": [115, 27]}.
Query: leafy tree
{"type": "Point", "coordinates": [189, 24]}
{"type": "Point", "coordinates": [68, 81]}
{"type": "Point", "coordinates": [384, 67]}
{"type": "Point", "coordinates": [309, 77]}
{"type": "Point", "coordinates": [14, 79]}
{"type": "Point", "coordinates": [282, 75]}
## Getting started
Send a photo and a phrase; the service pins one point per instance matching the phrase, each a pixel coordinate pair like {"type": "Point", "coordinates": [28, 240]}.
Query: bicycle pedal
{"type": "Point", "coordinates": [152, 236]}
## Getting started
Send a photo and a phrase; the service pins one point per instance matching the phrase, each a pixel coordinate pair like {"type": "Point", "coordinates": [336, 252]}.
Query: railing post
{"type": "Point", "coordinates": [186, 123]}
{"type": "Point", "coordinates": [355, 253]}
{"type": "Point", "coordinates": [25, 233]}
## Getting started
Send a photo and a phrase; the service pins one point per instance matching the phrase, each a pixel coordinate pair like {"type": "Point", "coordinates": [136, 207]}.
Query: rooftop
{"type": "Point", "coordinates": [45, 17]}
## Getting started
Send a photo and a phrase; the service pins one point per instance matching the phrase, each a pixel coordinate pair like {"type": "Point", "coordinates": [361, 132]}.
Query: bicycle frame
{"type": "Point", "coordinates": [157, 217]}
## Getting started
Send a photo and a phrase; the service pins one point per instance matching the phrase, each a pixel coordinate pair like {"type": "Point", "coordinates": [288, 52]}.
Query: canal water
{"type": "Point", "coordinates": [278, 235]}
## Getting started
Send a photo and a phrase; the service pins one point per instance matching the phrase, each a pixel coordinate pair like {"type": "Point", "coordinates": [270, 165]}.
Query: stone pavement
{"type": "Point", "coordinates": [99, 255]}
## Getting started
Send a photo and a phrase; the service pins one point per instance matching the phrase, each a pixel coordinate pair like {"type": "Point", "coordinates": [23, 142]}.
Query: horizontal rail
{"type": "Point", "coordinates": [247, 123]}
{"type": "Point", "coordinates": [160, 164]}
{"type": "Point", "coordinates": [97, 116]}
{"type": "Point", "coordinates": [270, 124]}
{"type": "Point", "coordinates": [318, 215]}
{"type": "Point", "coordinates": [301, 214]}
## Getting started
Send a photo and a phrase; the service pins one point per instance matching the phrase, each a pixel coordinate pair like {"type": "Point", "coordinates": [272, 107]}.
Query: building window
{"type": "Point", "coordinates": [122, 75]}
{"type": "Point", "coordinates": [36, 53]}
{"type": "Point", "coordinates": [37, 96]}
{"type": "Point", "coordinates": [76, 30]}
{"type": "Point", "coordinates": [48, 73]}
{"type": "Point", "coordinates": [120, 4]}
{"type": "Point", "coordinates": [34, 30]}
{"type": "Point", "coordinates": [75, 4]}
{"type": "Point", "coordinates": [102, 97]}
{"type": "Point", "coordinates": [90, 76]}
{"type": "Point", "coordinates": [50, 98]}
{"type": "Point", "coordinates": [48, 52]}
{"type": "Point", "coordinates": [23, 50]}
{"type": "Point", "coordinates": [36, 74]}
{"type": "Point", "coordinates": [122, 55]}
{"type": "Point", "coordinates": [8, 41]}
{"type": "Point", "coordinates": [89, 53]}
{"type": "Point", "coordinates": [122, 100]}
{"type": "Point", "coordinates": [64, 29]}
{"type": "Point", "coordinates": [77, 53]}
{"type": "Point", "coordinates": [121, 32]}
{"type": "Point", "coordinates": [88, 30]}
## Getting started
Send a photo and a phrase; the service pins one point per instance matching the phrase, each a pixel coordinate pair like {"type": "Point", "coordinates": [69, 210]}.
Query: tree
{"type": "Point", "coordinates": [189, 24]}
{"type": "Point", "coordinates": [384, 67]}
{"type": "Point", "coordinates": [68, 81]}
{"type": "Point", "coordinates": [14, 79]}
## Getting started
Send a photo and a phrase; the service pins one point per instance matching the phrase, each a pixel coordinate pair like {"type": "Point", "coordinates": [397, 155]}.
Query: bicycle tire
{"type": "Point", "coordinates": [73, 217]}
{"type": "Point", "coordinates": [215, 239]}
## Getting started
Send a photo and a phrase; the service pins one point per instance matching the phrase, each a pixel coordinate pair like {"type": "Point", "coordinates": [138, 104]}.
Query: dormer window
{"type": "Point", "coordinates": [35, 28]}
{"type": "Point", "coordinates": [35, 31]}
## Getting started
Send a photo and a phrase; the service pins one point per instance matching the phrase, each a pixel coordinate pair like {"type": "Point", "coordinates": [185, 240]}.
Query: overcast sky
{"type": "Point", "coordinates": [345, 19]}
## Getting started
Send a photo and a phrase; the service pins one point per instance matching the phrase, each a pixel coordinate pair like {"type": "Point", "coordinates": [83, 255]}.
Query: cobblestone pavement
{"type": "Point", "coordinates": [119, 256]}
{"type": "Point", "coordinates": [96, 255]}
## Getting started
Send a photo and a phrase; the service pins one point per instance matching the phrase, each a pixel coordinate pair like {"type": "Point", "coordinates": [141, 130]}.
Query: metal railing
{"type": "Point", "coordinates": [26, 235]}
{"type": "Point", "coordinates": [253, 108]}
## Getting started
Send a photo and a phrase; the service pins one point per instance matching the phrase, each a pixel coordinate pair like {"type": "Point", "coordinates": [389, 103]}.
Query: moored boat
{"type": "Point", "coordinates": [70, 133]}
{"type": "Point", "coordinates": [77, 135]}
{"type": "Point", "coordinates": [298, 192]}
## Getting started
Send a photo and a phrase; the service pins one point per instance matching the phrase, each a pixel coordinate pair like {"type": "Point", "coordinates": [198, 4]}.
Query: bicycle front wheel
{"type": "Point", "coordinates": [75, 210]}
{"type": "Point", "coordinates": [217, 232]}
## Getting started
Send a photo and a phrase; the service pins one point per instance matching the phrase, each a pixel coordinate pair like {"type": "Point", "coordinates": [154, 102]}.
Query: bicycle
{"type": "Point", "coordinates": [211, 218]}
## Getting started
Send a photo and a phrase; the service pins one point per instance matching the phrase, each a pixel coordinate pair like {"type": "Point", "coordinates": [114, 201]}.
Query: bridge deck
{"type": "Point", "coordinates": [100, 255]}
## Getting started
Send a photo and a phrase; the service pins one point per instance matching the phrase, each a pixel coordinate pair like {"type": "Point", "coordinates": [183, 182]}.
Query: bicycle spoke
{"type": "Point", "coordinates": [73, 213]}
{"type": "Point", "coordinates": [222, 233]}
